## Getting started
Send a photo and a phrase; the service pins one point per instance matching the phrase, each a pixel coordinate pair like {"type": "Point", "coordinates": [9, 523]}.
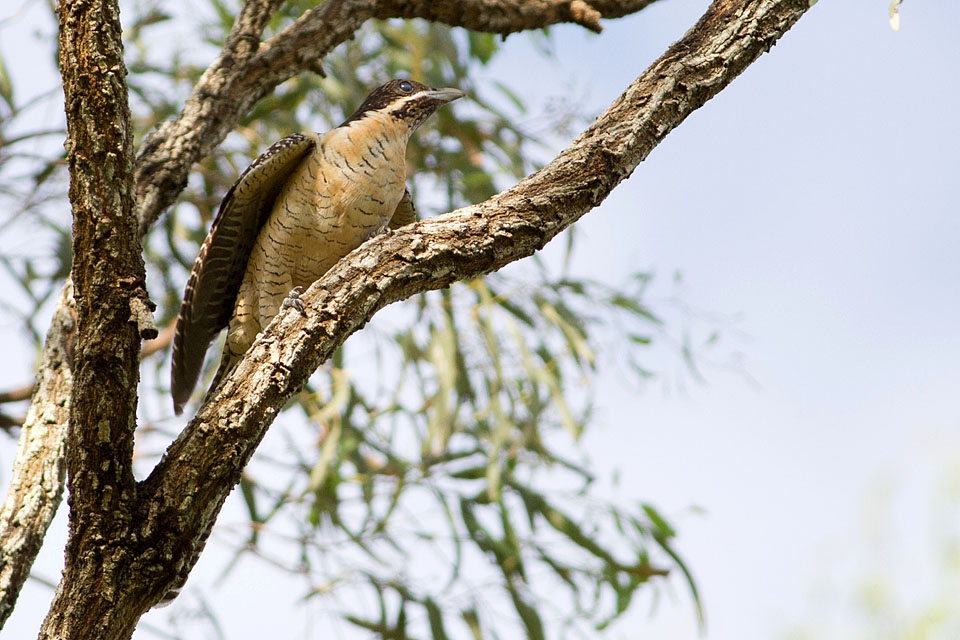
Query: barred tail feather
{"type": "Point", "coordinates": [228, 361]}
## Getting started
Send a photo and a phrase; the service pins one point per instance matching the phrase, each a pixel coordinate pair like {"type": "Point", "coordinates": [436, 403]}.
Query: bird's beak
{"type": "Point", "coordinates": [444, 95]}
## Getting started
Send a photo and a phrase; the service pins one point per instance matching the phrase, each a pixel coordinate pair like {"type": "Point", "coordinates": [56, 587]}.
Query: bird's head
{"type": "Point", "coordinates": [406, 100]}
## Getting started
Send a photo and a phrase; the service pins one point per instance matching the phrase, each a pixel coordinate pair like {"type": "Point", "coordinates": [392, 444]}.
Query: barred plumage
{"type": "Point", "coordinates": [218, 270]}
{"type": "Point", "coordinates": [302, 205]}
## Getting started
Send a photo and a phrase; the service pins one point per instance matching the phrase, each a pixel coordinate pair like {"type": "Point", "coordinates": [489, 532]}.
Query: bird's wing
{"type": "Point", "coordinates": [405, 213]}
{"type": "Point", "coordinates": [218, 271]}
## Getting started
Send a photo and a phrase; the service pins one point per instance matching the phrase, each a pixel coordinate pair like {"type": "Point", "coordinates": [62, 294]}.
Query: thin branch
{"type": "Point", "coordinates": [10, 424]}
{"type": "Point", "coordinates": [9, 142]}
{"type": "Point", "coordinates": [16, 395]}
{"type": "Point", "coordinates": [161, 342]}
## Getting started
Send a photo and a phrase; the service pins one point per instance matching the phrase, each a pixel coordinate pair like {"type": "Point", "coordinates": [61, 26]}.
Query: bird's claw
{"type": "Point", "coordinates": [293, 301]}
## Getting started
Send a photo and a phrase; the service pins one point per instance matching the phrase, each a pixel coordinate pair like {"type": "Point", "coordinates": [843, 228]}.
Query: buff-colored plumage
{"type": "Point", "coordinates": [302, 206]}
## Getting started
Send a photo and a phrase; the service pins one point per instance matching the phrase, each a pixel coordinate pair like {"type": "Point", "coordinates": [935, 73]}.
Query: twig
{"type": "Point", "coordinates": [16, 395]}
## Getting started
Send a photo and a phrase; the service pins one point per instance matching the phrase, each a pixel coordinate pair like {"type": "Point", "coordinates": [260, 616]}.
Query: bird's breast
{"type": "Point", "coordinates": [349, 189]}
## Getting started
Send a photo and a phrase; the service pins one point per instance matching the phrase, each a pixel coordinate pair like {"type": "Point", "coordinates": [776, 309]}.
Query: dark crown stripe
{"type": "Point", "coordinates": [383, 96]}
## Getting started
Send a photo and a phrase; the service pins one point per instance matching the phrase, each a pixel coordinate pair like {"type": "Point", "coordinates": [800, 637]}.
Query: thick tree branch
{"type": "Point", "coordinates": [107, 272]}
{"type": "Point", "coordinates": [217, 103]}
{"type": "Point", "coordinates": [205, 462]}
{"type": "Point", "coordinates": [304, 43]}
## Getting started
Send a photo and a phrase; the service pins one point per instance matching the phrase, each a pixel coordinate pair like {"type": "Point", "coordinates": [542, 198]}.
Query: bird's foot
{"type": "Point", "coordinates": [293, 300]}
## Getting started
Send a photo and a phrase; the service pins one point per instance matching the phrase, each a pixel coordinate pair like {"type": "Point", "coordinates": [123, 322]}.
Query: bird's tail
{"type": "Point", "coordinates": [228, 360]}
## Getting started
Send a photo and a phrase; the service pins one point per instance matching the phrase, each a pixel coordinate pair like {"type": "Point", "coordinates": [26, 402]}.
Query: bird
{"type": "Point", "coordinates": [301, 206]}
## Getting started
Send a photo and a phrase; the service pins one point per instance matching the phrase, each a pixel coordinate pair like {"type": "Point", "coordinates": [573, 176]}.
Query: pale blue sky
{"type": "Point", "coordinates": [815, 200]}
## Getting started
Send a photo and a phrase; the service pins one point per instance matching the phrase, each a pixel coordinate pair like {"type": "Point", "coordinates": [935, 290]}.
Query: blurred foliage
{"type": "Point", "coordinates": [900, 579]}
{"type": "Point", "coordinates": [428, 479]}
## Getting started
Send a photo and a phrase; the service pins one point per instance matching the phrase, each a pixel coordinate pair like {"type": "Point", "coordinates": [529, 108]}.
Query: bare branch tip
{"type": "Point", "coordinates": [585, 15]}
{"type": "Point", "coordinates": [142, 315]}
{"type": "Point", "coordinates": [17, 395]}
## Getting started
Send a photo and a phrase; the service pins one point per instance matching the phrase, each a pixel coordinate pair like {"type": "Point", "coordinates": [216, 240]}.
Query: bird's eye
{"type": "Point", "coordinates": [406, 87]}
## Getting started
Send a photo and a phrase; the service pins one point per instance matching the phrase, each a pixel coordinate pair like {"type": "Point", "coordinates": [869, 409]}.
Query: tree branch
{"type": "Point", "coordinates": [38, 473]}
{"type": "Point", "coordinates": [17, 395]}
{"type": "Point", "coordinates": [107, 271]}
{"type": "Point", "coordinates": [216, 104]}
{"type": "Point", "coordinates": [510, 16]}
{"type": "Point", "coordinates": [431, 254]}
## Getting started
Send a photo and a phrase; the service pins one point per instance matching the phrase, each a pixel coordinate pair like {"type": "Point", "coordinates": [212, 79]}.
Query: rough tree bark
{"type": "Point", "coordinates": [40, 468]}
{"type": "Point", "coordinates": [107, 273]}
{"type": "Point", "coordinates": [129, 543]}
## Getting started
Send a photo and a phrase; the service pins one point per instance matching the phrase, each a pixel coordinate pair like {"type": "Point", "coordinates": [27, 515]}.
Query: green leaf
{"type": "Point", "coordinates": [662, 528]}
{"type": "Point", "coordinates": [435, 616]}
{"type": "Point", "coordinates": [560, 316]}
{"type": "Point", "coordinates": [563, 572]}
{"type": "Point", "coordinates": [691, 583]}
{"type": "Point", "coordinates": [472, 619]}
{"type": "Point", "coordinates": [327, 452]}
{"type": "Point", "coordinates": [528, 614]}
{"type": "Point", "coordinates": [482, 45]}
{"type": "Point", "coordinates": [547, 376]}
{"type": "Point", "coordinates": [6, 86]}
{"type": "Point", "coordinates": [442, 354]}
{"type": "Point", "coordinates": [634, 307]}
{"type": "Point", "coordinates": [473, 473]}
{"type": "Point", "coordinates": [510, 95]}
{"type": "Point", "coordinates": [250, 500]}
